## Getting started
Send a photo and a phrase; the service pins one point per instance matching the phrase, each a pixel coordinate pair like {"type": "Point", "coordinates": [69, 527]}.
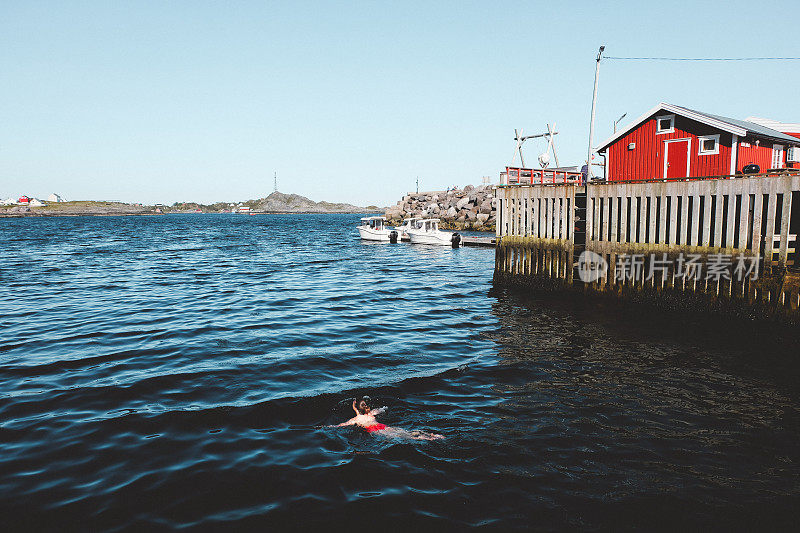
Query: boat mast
{"type": "Point", "coordinates": [591, 123]}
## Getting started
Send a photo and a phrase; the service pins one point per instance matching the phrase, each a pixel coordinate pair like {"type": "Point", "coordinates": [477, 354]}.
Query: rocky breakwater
{"type": "Point", "coordinates": [470, 208]}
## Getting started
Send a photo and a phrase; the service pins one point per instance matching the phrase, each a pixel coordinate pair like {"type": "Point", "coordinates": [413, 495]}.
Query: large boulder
{"type": "Point", "coordinates": [482, 217]}
{"type": "Point", "coordinates": [452, 212]}
{"type": "Point", "coordinates": [462, 203]}
{"type": "Point", "coordinates": [470, 216]}
{"type": "Point", "coordinates": [486, 206]}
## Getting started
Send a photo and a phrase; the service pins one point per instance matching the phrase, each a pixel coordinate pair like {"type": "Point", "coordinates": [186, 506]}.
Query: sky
{"type": "Point", "coordinates": [159, 102]}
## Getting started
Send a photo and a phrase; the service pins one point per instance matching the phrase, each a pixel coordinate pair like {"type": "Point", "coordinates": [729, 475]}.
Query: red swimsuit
{"type": "Point", "coordinates": [375, 427]}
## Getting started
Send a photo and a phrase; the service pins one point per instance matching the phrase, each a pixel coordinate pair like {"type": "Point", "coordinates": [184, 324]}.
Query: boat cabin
{"type": "Point", "coordinates": [429, 225]}
{"type": "Point", "coordinates": [412, 223]}
{"type": "Point", "coordinates": [376, 223]}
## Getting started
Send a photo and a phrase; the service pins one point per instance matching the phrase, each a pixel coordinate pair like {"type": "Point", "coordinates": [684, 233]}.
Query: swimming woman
{"type": "Point", "coordinates": [365, 417]}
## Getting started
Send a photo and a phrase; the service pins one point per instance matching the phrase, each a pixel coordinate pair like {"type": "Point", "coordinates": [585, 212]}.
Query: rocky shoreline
{"type": "Point", "coordinates": [470, 208]}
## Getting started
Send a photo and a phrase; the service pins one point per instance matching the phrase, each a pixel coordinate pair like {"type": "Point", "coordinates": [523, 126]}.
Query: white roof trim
{"type": "Point", "coordinates": [682, 111]}
{"type": "Point", "coordinates": [782, 127]}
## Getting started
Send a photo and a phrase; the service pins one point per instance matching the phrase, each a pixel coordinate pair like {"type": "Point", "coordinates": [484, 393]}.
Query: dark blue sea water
{"type": "Point", "coordinates": [180, 372]}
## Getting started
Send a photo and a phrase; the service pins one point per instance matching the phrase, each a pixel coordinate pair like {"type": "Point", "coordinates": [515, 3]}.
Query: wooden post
{"type": "Point", "coordinates": [683, 238]}
{"type": "Point", "coordinates": [674, 217]}
{"type": "Point", "coordinates": [731, 224]}
{"type": "Point", "coordinates": [696, 233]}
{"type": "Point", "coordinates": [651, 214]}
{"type": "Point", "coordinates": [758, 208]}
{"type": "Point", "coordinates": [770, 230]}
{"type": "Point", "coordinates": [745, 217]}
{"type": "Point", "coordinates": [785, 217]}
{"type": "Point", "coordinates": [718, 221]}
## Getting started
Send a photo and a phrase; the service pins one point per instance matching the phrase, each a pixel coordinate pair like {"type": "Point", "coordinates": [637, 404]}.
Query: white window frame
{"type": "Point", "coordinates": [777, 153]}
{"type": "Point", "coordinates": [671, 124]}
{"type": "Point", "coordinates": [702, 138]}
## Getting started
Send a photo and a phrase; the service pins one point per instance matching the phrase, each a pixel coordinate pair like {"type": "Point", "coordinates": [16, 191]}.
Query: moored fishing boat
{"type": "Point", "coordinates": [409, 223]}
{"type": "Point", "coordinates": [375, 229]}
{"type": "Point", "coordinates": [428, 232]}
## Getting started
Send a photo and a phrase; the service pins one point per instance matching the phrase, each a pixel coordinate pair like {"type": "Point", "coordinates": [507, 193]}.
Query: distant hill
{"type": "Point", "coordinates": [279, 202]}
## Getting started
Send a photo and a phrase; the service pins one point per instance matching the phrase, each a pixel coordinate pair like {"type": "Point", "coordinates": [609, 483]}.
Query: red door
{"type": "Point", "coordinates": [677, 154]}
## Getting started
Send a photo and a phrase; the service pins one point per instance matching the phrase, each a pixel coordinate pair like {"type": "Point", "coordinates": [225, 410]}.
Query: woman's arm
{"type": "Point", "coordinates": [348, 423]}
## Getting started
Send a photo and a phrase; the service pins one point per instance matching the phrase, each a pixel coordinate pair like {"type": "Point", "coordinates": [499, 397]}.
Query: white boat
{"type": "Point", "coordinates": [428, 232]}
{"type": "Point", "coordinates": [409, 223]}
{"type": "Point", "coordinates": [375, 229]}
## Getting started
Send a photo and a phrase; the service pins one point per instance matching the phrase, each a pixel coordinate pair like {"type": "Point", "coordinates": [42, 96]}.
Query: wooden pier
{"type": "Point", "coordinates": [642, 233]}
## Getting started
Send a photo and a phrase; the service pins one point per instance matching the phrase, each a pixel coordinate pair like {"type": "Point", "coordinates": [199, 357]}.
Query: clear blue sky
{"type": "Point", "coordinates": [202, 101]}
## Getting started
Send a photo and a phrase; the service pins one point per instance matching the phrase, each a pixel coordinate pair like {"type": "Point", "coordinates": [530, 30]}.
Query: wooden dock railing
{"type": "Point", "coordinates": [533, 176]}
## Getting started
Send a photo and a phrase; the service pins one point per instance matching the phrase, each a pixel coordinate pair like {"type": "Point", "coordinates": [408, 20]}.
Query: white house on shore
{"type": "Point", "coordinates": [55, 198]}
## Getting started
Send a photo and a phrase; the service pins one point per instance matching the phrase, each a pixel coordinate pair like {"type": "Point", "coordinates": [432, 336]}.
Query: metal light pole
{"type": "Point", "coordinates": [591, 124]}
{"type": "Point", "coordinates": [617, 122]}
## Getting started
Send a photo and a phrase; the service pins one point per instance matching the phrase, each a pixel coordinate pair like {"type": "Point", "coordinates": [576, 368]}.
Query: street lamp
{"type": "Point", "coordinates": [617, 122]}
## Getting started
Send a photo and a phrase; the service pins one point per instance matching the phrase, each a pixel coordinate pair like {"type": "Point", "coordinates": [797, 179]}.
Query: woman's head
{"type": "Point", "coordinates": [362, 405]}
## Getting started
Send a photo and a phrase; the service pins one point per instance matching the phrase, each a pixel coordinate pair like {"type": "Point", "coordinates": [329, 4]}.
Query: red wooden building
{"type": "Point", "coordinates": [671, 142]}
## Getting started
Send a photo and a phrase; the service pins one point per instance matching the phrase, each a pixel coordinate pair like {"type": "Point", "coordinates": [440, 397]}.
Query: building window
{"type": "Point", "coordinates": [665, 124]}
{"type": "Point", "coordinates": [709, 144]}
{"type": "Point", "coordinates": [777, 156]}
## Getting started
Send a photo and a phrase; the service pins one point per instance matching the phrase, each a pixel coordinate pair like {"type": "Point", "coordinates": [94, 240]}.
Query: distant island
{"type": "Point", "coordinates": [277, 202]}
